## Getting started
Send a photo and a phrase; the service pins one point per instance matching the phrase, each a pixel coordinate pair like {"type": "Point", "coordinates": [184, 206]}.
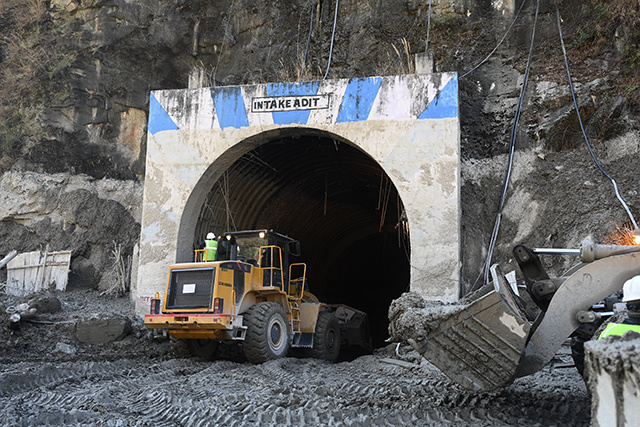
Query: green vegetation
{"type": "Point", "coordinates": [619, 22]}
{"type": "Point", "coordinates": [587, 32]}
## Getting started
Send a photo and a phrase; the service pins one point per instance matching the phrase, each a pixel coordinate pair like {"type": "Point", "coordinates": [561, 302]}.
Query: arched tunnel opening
{"type": "Point", "coordinates": [337, 201]}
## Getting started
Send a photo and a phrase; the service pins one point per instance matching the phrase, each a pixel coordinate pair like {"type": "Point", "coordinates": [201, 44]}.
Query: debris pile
{"type": "Point", "coordinates": [411, 317]}
{"type": "Point", "coordinates": [73, 325]}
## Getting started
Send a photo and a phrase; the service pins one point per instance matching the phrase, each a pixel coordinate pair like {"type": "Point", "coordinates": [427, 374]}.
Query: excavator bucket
{"type": "Point", "coordinates": [477, 342]}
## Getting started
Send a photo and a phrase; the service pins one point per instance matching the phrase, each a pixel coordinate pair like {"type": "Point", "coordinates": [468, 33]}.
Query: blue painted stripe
{"type": "Point", "coordinates": [358, 99]}
{"type": "Point", "coordinates": [292, 89]}
{"type": "Point", "coordinates": [159, 120]}
{"type": "Point", "coordinates": [229, 105]}
{"type": "Point", "coordinates": [445, 104]}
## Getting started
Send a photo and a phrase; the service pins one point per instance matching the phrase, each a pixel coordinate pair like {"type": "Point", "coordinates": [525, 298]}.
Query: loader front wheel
{"type": "Point", "coordinates": [267, 336]}
{"type": "Point", "coordinates": [205, 349]}
{"type": "Point", "coordinates": [326, 339]}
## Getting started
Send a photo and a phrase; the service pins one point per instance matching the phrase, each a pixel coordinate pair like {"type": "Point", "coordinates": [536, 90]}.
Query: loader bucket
{"type": "Point", "coordinates": [354, 326]}
{"type": "Point", "coordinates": [478, 342]}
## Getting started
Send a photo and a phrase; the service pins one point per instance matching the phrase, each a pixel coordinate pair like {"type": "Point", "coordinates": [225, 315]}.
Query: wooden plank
{"type": "Point", "coordinates": [399, 363]}
{"type": "Point", "coordinates": [35, 271]}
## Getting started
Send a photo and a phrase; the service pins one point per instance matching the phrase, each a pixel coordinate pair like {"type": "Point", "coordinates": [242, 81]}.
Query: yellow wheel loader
{"type": "Point", "coordinates": [254, 295]}
{"type": "Point", "coordinates": [493, 336]}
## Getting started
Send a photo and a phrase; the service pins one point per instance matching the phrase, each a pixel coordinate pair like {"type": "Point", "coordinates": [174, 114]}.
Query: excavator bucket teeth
{"type": "Point", "coordinates": [477, 343]}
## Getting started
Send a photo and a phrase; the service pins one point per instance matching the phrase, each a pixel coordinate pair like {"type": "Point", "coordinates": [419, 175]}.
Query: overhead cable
{"type": "Point", "coordinates": [306, 50]}
{"type": "Point", "coordinates": [333, 34]}
{"type": "Point", "coordinates": [575, 104]}
{"type": "Point", "coordinates": [498, 45]}
{"type": "Point", "coordinates": [426, 44]}
{"type": "Point", "coordinates": [512, 146]}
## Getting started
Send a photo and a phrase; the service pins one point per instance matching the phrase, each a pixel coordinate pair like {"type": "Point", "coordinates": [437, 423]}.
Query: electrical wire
{"type": "Point", "coordinates": [575, 104]}
{"type": "Point", "coordinates": [512, 146]}
{"type": "Point", "coordinates": [426, 44]}
{"type": "Point", "coordinates": [306, 50]}
{"type": "Point", "coordinates": [498, 45]}
{"type": "Point", "coordinates": [333, 34]}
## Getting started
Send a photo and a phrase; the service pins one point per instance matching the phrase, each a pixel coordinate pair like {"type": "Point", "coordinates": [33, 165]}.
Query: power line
{"type": "Point", "coordinates": [426, 44]}
{"type": "Point", "coordinates": [512, 146]}
{"type": "Point", "coordinates": [333, 34]}
{"type": "Point", "coordinates": [575, 104]}
{"type": "Point", "coordinates": [498, 45]}
{"type": "Point", "coordinates": [306, 50]}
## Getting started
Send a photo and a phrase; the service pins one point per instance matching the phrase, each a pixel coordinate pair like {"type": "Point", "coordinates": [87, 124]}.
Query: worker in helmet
{"type": "Point", "coordinates": [631, 295]}
{"type": "Point", "coordinates": [210, 247]}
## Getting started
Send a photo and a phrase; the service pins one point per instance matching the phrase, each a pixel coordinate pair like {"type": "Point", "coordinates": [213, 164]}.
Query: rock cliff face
{"type": "Point", "coordinates": [75, 77]}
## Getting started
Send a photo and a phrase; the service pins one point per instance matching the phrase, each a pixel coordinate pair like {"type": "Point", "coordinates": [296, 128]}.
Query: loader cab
{"type": "Point", "coordinates": [265, 249]}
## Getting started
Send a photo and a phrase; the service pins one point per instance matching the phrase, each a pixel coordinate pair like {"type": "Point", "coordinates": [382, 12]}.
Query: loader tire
{"type": "Point", "coordinates": [326, 339]}
{"type": "Point", "coordinates": [179, 348]}
{"type": "Point", "coordinates": [267, 336]}
{"type": "Point", "coordinates": [204, 349]}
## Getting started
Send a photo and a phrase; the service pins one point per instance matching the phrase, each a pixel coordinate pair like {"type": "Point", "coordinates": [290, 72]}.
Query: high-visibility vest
{"type": "Point", "coordinates": [210, 246]}
{"type": "Point", "coordinates": [618, 329]}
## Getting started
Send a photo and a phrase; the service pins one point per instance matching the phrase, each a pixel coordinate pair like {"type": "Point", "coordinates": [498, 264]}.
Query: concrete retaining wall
{"type": "Point", "coordinates": [613, 366]}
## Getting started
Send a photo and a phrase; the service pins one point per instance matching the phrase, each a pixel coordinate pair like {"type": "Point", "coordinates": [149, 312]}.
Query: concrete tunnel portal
{"type": "Point", "coordinates": [333, 198]}
{"type": "Point", "coordinates": [364, 172]}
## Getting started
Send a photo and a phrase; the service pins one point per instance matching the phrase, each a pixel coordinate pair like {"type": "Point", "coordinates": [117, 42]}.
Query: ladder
{"type": "Point", "coordinates": [295, 292]}
{"type": "Point", "coordinates": [294, 305]}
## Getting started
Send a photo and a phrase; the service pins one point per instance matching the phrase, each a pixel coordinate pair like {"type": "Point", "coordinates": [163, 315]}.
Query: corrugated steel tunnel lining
{"type": "Point", "coordinates": [337, 202]}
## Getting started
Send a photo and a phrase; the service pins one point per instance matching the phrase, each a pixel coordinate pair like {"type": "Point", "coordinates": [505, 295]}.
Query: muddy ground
{"type": "Point", "coordinates": [48, 377]}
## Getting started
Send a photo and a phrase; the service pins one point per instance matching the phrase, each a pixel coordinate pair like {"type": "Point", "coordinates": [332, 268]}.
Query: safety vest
{"type": "Point", "coordinates": [210, 246]}
{"type": "Point", "coordinates": [618, 329]}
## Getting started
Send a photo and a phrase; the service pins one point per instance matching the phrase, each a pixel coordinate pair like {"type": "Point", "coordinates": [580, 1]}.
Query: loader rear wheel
{"type": "Point", "coordinates": [326, 339]}
{"type": "Point", "coordinates": [205, 349]}
{"type": "Point", "coordinates": [267, 335]}
{"type": "Point", "coordinates": [179, 348]}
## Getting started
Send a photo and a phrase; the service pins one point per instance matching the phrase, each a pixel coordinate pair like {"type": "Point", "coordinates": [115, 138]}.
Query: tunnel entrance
{"type": "Point", "coordinates": [340, 165]}
{"type": "Point", "coordinates": [333, 198]}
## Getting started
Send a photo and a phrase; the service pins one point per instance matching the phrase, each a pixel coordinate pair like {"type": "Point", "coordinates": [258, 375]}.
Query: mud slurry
{"type": "Point", "coordinates": [366, 391]}
{"type": "Point", "coordinates": [137, 382]}
{"type": "Point", "coordinates": [413, 317]}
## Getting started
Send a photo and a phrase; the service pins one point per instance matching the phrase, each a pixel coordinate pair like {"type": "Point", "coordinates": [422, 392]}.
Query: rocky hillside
{"type": "Point", "coordinates": [75, 77]}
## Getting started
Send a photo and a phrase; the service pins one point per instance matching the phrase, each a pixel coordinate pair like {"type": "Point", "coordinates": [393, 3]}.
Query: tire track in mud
{"type": "Point", "coordinates": [287, 392]}
{"type": "Point", "coordinates": [80, 391]}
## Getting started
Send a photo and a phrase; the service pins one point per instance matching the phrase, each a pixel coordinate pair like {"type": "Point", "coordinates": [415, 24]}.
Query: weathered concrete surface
{"type": "Point", "coordinates": [613, 367]}
{"type": "Point", "coordinates": [408, 124]}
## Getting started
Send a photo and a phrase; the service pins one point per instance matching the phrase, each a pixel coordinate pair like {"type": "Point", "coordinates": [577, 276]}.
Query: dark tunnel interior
{"type": "Point", "coordinates": [334, 199]}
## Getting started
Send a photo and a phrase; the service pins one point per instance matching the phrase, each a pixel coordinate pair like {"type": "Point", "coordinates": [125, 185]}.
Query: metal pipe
{"type": "Point", "coordinates": [8, 258]}
{"type": "Point", "coordinates": [591, 251]}
{"type": "Point", "coordinates": [556, 251]}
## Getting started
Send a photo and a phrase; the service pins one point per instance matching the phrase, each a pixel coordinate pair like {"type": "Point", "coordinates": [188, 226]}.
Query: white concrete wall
{"type": "Point", "coordinates": [409, 124]}
{"type": "Point", "coordinates": [613, 366]}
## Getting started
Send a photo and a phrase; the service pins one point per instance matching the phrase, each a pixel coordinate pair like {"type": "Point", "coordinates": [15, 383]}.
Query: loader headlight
{"type": "Point", "coordinates": [261, 234]}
